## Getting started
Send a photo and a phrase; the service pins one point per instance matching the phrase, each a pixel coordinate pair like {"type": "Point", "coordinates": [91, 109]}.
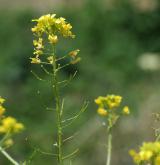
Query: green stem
{"type": "Point", "coordinates": [58, 111]}
{"type": "Point", "coordinates": [109, 148]}
{"type": "Point", "coordinates": [8, 156]}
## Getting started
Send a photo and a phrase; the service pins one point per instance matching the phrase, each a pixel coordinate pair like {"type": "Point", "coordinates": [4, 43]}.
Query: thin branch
{"type": "Point", "coordinates": [36, 76]}
{"type": "Point", "coordinates": [69, 138]}
{"type": "Point", "coordinates": [84, 107]}
{"type": "Point", "coordinates": [61, 58]}
{"type": "Point", "coordinates": [50, 109]}
{"type": "Point", "coordinates": [71, 155]}
{"type": "Point", "coordinates": [71, 78]}
{"type": "Point", "coordinates": [46, 153]}
{"type": "Point", "coordinates": [64, 66]}
{"type": "Point", "coordinates": [8, 156]}
{"type": "Point", "coordinates": [46, 63]}
{"type": "Point", "coordinates": [45, 70]}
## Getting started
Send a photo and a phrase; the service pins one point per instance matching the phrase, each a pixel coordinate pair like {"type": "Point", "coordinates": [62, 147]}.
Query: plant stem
{"type": "Point", "coordinates": [109, 148]}
{"type": "Point", "coordinates": [8, 156]}
{"type": "Point", "coordinates": [58, 111]}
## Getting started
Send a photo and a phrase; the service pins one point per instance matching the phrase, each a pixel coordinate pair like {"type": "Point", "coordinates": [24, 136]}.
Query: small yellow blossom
{"type": "Point", "coordinates": [126, 110]}
{"type": "Point", "coordinates": [148, 152]}
{"type": "Point", "coordinates": [50, 59]}
{"type": "Point", "coordinates": [74, 53]}
{"type": "Point", "coordinates": [38, 43]}
{"type": "Point", "coordinates": [99, 100]}
{"type": "Point", "coordinates": [2, 100]}
{"type": "Point", "coordinates": [102, 112]}
{"type": "Point", "coordinates": [113, 101]}
{"type": "Point", "coordinates": [35, 60]}
{"type": "Point", "coordinates": [10, 124]}
{"type": "Point", "coordinates": [53, 39]}
{"type": "Point", "coordinates": [135, 156]}
{"type": "Point", "coordinates": [145, 155]}
{"type": "Point", "coordinates": [2, 110]}
{"type": "Point", "coordinates": [60, 20]}
{"type": "Point", "coordinates": [37, 52]}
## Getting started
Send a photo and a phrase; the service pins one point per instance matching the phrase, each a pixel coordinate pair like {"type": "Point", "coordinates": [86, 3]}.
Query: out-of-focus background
{"type": "Point", "coordinates": [120, 49]}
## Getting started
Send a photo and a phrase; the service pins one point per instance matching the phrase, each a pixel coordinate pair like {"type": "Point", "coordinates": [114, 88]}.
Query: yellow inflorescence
{"type": "Point", "coordinates": [109, 103]}
{"type": "Point", "coordinates": [35, 60]}
{"type": "Point", "coordinates": [10, 124]}
{"type": "Point", "coordinates": [48, 30]}
{"type": "Point", "coordinates": [49, 24]}
{"type": "Point", "coordinates": [102, 112]}
{"type": "Point", "coordinates": [126, 110]}
{"type": "Point", "coordinates": [148, 153]}
{"type": "Point", "coordinates": [53, 39]}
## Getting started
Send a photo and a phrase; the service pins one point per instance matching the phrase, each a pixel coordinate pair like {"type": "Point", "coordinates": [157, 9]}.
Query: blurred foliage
{"type": "Point", "coordinates": [110, 40]}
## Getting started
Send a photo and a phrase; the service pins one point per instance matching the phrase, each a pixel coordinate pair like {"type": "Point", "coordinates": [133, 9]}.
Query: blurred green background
{"type": "Point", "coordinates": [120, 49]}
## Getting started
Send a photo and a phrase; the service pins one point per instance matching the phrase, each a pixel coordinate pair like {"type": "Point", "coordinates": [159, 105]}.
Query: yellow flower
{"type": "Point", "coordinates": [67, 27]}
{"type": "Point", "coordinates": [2, 110]}
{"type": "Point", "coordinates": [113, 101]}
{"type": "Point", "coordinates": [35, 60]}
{"type": "Point", "coordinates": [38, 43]}
{"type": "Point", "coordinates": [60, 20]}
{"type": "Point", "coordinates": [2, 100]}
{"type": "Point", "coordinates": [157, 160]}
{"type": "Point", "coordinates": [126, 110]}
{"type": "Point", "coordinates": [147, 152]}
{"type": "Point", "coordinates": [145, 155]}
{"type": "Point", "coordinates": [49, 24]}
{"type": "Point", "coordinates": [38, 52]}
{"type": "Point", "coordinates": [99, 100]}
{"type": "Point", "coordinates": [50, 59]}
{"type": "Point", "coordinates": [53, 39]}
{"type": "Point", "coordinates": [10, 124]}
{"type": "Point", "coordinates": [74, 53]}
{"type": "Point", "coordinates": [102, 112]}
{"type": "Point", "coordinates": [135, 156]}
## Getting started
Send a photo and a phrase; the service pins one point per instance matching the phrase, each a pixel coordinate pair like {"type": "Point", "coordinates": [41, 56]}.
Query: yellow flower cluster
{"type": "Point", "coordinates": [50, 25]}
{"type": "Point", "coordinates": [108, 103]}
{"type": "Point", "coordinates": [50, 28]}
{"type": "Point", "coordinates": [149, 153]}
{"type": "Point", "coordinates": [8, 124]}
